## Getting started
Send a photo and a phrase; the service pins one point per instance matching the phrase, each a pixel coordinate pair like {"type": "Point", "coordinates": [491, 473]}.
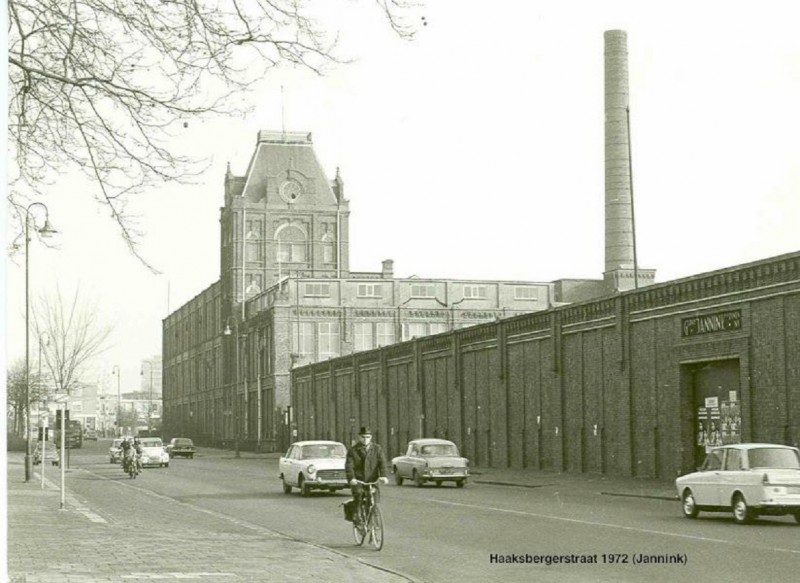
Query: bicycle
{"type": "Point", "coordinates": [369, 520]}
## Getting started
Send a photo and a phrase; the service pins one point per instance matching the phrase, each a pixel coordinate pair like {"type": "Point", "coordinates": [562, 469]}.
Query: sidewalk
{"type": "Point", "coordinates": [75, 545]}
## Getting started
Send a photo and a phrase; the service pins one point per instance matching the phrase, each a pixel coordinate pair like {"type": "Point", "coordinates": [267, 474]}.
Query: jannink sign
{"type": "Point", "coordinates": [707, 323]}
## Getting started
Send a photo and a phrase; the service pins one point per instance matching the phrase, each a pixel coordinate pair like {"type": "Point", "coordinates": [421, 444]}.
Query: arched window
{"type": "Point", "coordinates": [328, 254]}
{"type": "Point", "coordinates": [291, 244]}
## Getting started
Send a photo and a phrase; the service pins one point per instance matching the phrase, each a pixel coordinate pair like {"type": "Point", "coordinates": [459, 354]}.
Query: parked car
{"type": "Point", "coordinates": [115, 451]}
{"type": "Point", "coordinates": [747, 479]}
{"type": "Point", "coordinates": [181, 447]}
{"type": "Point", "coordinates": [51, 453]}
{"type": "Point", "coordinates": [153, 453]}
{"type": "Point", "coordinates": [90, 434]}
{"type": "Point", "coordinates": [313, 465]}
{"type": "Point", "coordinates": [431, 460]}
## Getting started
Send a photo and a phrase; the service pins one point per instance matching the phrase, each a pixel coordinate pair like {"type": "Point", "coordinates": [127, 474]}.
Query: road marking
{"type": "Point", "coordinates": [152, 576]}
{"type": "Point", "coordinates": [608, 525]}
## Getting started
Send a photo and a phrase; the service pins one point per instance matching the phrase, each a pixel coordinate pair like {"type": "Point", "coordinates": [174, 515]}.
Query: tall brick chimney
{"type": "Point", "coordinates": [621, 273]}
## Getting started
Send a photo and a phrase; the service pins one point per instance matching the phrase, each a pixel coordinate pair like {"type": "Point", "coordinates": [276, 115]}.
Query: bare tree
{"type": "Point", "coordinates": [75, 335]}
{"type": "Point", "coordinates": [103, 85]}
{"type": "Point", "coordinates": [15, 393]}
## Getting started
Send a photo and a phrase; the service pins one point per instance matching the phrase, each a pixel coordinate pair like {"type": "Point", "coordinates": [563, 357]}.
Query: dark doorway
{"type": "Point", "coordinates": [716, 405]}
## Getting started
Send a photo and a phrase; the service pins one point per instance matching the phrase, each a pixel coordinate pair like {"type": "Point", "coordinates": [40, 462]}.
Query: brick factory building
{"type": "Point", "coordinates": [636, 384]}
{"type": "Point", "coordinates": [287, 297]}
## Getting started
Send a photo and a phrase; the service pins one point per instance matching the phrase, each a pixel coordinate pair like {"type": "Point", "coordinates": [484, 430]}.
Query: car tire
{"type": "Point", "coordinates": [191, 456]}
{"type": "Point", "coordinates": [688, 505]}
{"type": "Point", "coordinates": [459, 483]}
{"type": "Point", "coordinates": [742, 514]}
{"type": "Point", "coordinates": [287, 489]}
{"type": "Point", "coordinates": [166, 465]}
{"type": "Point", "coordinates": [797, 516]}
{"type": "Point", "coordinates": [398, 479]}
{"type": "Point", "coordinates": [305, 491]}
{"type": "Point", "coordinates": [438, 483]}
{"type": "Point", "coordinates": [418, 481]}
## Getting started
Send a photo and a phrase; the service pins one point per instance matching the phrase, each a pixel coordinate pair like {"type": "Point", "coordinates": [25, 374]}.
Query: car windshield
{"type": "Point", "coordinates": [152, 442]}
{"type": "Point", "coordinates": [333, 450]}
{"type": "Point", "coordinates": [182, 442]}
{"type": "Point", "coordinates": [774, 457]}
{"type": "Point", "coordinates": [439, 449]}
{"type": "Point", "coordinates": [116, 443]}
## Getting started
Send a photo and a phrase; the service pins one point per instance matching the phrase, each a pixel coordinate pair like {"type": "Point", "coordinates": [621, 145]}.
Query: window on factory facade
{"type": "Point", "coordinates": [422, 290]}
{"type": "Point", "coordinates": [384, 333]}
{"type": "Point", "coordinates": [475, 292]}
{"type": "Point", "coordinates": [369, 290]}
{"type": "Point", "coordinates": [303, 339]}
{"type": "Point", "coordinates": [317, 290]}
{"type": "Point", "coordinates": [254, 245]}
{"type": "Point", "coordinates": [414, 330]}
{"type": "Point", "coordinates": [328, 340]}
{"type": "Point", "coordinates": [437, 327]}
{"type": "Point", "coordinates": [526, 293]}
{"type": "Point", "coordinates": [291, 244]}
{"type": "Point", "coordinates": [328, 249]}
{"type": "Point", "coordinates": [363, 336]}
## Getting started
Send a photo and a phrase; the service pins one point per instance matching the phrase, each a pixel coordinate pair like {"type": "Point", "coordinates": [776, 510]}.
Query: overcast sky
{"type": "Point", "coordinates": [476, 151]}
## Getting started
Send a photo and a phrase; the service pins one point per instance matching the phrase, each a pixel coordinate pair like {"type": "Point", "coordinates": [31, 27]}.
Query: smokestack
{"type": "Point", "coordinates": [619, 220]}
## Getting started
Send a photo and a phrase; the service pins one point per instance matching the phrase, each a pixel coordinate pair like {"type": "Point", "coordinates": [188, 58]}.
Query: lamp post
{"type": "Point", "coordinates": [115, 371]}
{"type": "Point", "coordinates": [150, 407]}
{"type": "Point", "coordinates": [45, 231]}
{"type": "Point", "coordinates": [235, 406]}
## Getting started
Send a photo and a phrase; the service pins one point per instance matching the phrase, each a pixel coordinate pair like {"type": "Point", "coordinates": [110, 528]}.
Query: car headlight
{"type": "Point", "coordinates": [311, 469]}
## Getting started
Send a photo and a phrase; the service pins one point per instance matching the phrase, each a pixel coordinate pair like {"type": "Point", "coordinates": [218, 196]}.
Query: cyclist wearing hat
{"type": "Point", "coordinates": [365, 462]}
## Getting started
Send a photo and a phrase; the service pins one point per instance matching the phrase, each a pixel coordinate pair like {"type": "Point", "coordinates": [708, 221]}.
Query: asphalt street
{"type": "Point", "coordinates": [222, 518]}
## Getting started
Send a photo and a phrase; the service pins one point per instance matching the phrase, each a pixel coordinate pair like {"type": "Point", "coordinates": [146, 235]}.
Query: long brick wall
{"type": "Point", "coordinates": [606, 386]}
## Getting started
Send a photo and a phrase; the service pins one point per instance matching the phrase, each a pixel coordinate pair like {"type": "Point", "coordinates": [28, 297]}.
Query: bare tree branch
{"type": "Point", "coordinates": [74, 335]}
{"type": "Point", "coordinates": [104, 85]}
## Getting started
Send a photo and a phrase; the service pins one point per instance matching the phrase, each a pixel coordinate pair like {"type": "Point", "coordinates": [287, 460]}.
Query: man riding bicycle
{"type": "Point", "coordinates": [366, 463]}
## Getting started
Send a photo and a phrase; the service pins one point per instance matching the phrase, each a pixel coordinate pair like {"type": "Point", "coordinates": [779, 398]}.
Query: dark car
{"type": "Point", "coordinates": [181, 447]}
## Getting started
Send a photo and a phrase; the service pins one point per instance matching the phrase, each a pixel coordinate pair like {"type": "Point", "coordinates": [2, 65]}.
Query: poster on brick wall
{"type": "Point", "coordinates": [731, 422]}
{"type": "Point", "coordinates": [709, 427]}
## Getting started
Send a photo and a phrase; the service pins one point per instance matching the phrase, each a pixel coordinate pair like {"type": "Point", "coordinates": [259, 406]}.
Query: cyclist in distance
{"type": "Point", "coordinates": [125, 446]}
{"type": "Point", "coordinates": [365, 462]}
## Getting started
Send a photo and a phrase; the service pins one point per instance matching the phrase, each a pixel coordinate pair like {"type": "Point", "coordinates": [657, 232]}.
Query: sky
{"type": "Point", "coordinates": [476, 151]}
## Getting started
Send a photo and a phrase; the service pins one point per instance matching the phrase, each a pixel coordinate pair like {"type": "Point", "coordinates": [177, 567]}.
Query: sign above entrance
{"type": "Point", "coordinates": [707, 323]}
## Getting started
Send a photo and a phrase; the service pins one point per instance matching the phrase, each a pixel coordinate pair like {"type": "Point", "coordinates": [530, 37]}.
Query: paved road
{"type": "Point", "coordinates": [229, 517]}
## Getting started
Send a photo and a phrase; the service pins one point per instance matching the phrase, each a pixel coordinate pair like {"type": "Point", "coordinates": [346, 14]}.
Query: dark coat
{"type": "Point", "coordinates": [363, 465]}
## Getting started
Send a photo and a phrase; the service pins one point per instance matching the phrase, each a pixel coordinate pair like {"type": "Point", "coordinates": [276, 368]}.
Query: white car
{"type": "Point", "coordinates": [748, 479]}
{"type": "Point", "coordinates": [115, 451]}
{"type": "Point", "coordinates": [313, 465]}
{"type": "Point", "coordinates": [153, 453]}
{"type": "Point", "coordinates": [431, 460]}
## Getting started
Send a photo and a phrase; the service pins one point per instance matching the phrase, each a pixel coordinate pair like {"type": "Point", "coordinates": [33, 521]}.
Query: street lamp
{"type": "Point", "coordinates": [115, 371]}
{"type": "Point", "coordinates": [235, 407]}
{"type": "Point", "coordinates": [45, 231]}
{"type": "Point", "coordinates": [150, 410]}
